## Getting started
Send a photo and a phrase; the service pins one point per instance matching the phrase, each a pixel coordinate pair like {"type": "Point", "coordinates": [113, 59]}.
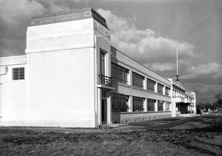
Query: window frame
{"type": "Point", "coordinates": [102, 59]}
{"type": "Point", "coordinates": [119, 74]}
{"type": "Point", "coordinates": [138, 104]}
{"type": "Point", "coordinates": [167, 91]}
{"type": "Point", "coordinates": [151, 108]}
{"type": "Point", "coordinates": [150, 83]}
{"type": "Point", "coordinates": [160, 105]}
{"type": "Point", "coordinates": [158, 88]}
{"type": "Point", "coordinates": [18, 73]}
{"type": "Point", "coordinates": [119, 102]}
{"type": "Point", "coordinates": [138, 80]}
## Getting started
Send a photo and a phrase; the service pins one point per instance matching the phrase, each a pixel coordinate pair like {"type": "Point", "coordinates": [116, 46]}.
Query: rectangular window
{"type": "Point", "coordinates": [18, 73]}
{"type": "Point", "coordinates": [150, 84]}
{"type": "Point", "coordinates": [167, 106]}
{"type": "Point", "coordinates": [167, 91]}
{"type": "Point", "coordinates": [119, 74]}
{"type": "Point", "coordinates": [151, 105]}
{"type": "Point", "coordinates": [102, 63]}
{"type": "Point", "coordinates": [138, 80]}
{"type": "Point", "coordinates": [138, 104]}
{"type": "Point", "coordinates": [160, 88]}
{"type": "Point", "coordinates": [160, 105]}
{"type": "Point", "coordinates": [119, 102]}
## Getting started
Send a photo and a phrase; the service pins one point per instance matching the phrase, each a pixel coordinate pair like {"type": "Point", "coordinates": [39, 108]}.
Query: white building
{"type": "Point", "coordinates": [71, 76]}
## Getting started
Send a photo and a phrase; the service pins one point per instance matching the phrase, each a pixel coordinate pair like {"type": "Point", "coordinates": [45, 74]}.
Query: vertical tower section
{"type": "Point", "coordinates": [62, 69]}
{"type": "Point", "coordinates": [103, 107]}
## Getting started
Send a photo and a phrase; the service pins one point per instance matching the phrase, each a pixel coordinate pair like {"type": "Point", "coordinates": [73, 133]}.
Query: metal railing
{"type": "Point", "coordinates": [105, 80]}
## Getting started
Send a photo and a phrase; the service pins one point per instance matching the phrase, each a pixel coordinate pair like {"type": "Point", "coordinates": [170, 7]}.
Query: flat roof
{"type": "Point", "coordinates": [113, 49]}
{"type": "Point", "coordinates": [68, 16]}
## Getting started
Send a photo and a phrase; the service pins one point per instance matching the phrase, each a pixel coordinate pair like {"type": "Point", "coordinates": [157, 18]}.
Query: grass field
{"type": "Point", "coordinates": [201, 136]}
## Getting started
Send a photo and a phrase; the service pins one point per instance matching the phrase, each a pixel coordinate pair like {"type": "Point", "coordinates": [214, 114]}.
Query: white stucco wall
{"type": "Point", "coordinates": [12, 92]}
{"type": "Point", "coordinates": [61, 74]}
{"type": "Point", "coordinates": [61, 88]}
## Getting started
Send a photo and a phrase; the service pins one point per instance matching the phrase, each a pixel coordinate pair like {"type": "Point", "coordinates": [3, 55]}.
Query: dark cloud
{"type": "Point", "coordinates": [15, 16]}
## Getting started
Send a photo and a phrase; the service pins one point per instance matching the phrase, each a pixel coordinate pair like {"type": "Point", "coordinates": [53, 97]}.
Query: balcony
{"type": "Point", "coordinates": [105, 82]}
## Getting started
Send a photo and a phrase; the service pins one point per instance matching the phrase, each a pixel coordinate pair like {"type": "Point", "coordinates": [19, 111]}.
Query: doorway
{"type": "Point", "coordinates": [104, 108]}
{"type": "Point", "coordinates": [104, 111]}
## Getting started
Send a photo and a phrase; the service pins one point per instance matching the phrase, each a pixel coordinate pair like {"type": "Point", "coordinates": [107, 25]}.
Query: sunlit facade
{"type": "Point", "coordinates": [71, 76]}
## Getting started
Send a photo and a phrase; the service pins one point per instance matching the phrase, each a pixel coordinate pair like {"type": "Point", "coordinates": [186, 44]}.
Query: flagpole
{"type": "Point", "coordinates": [177, 79]}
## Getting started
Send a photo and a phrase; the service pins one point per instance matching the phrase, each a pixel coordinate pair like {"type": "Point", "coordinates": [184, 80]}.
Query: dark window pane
{"type": "Point", "coordinates": [151, 105]}
{"type": "Point", "coordinates": [150, 84]}
{"type": "Point", "coordinates": [18, 73]}
{"type": "Point", "coordinates": [160, 88]}
{"type": "Point", "coordinates": [138, 104]}
{"type": "Point", "coordinates": [138, 80]}
{"type": "Point", "coordinates": [119, 103]}
{"type": "Point", "coordinates": [160, 105]}
{"type": "Point", "coordinates": [119, 74]}
{"type": "Point", "coordinates": [102, 63]}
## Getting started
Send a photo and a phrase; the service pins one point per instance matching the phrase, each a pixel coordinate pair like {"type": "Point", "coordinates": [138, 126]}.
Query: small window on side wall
{"type": "Point", "coordinates": [18, 73]}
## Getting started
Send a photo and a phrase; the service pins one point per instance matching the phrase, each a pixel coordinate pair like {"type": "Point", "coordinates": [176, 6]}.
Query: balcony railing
{"type": "Point", "coordinates": [105, 80]}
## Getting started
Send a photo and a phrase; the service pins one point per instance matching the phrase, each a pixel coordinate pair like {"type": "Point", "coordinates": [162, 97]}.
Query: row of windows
{"type": "Point", "coordinates": [120, 74]}
{"type": "Point", "coordinates": [181, 95]}
{"type": "Point", "coordinates": [120, 104]}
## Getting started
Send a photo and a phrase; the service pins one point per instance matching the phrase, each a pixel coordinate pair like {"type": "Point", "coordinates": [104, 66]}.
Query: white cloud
{"type": "Point", "coordinates": [144, 45]}
{"type": "Point", "coordinates": [211, 69]}
{"type": "Point", "coordinates": [161, 67]}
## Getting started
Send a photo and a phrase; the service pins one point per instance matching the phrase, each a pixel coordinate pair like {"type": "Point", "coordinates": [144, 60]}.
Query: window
{"type": "Point", "coordinates": [167, 91]}
{"type": "Point", "coordinates": [167, 106]}
{"type": "Point", "coordinates": [138, 80]}
{"type": "Point", "coordinates": [102, 63]}
{"type": "Point", "coordinates": [18, 73]}
{"type": "Point", "coordinates": [119, 103]}
{"type": "Point", "coordinates": [150, 84]}
{"type": "Point", "coordinates": [151, 105]}
{"type": "Point", "coordinates": [160, 88]}
{"type": "Point", "coordinates": [119, 74]}
{"type": "Point", "coordinates": [138, 104]}
{"type": "Point", "coordinates": [160, 105]}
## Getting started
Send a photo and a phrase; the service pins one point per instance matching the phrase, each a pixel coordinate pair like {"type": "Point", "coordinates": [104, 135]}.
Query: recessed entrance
{"type": "Point", "coordinates": [182, 107]}
{"type": "Point", "coordinates": [104, 108]}
{"type": "Point", "coordinates": [104, 111]}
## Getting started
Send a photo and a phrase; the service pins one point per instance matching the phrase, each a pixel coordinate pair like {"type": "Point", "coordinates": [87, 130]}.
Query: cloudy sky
{"type": "Point", "coordinates": [147, 30]}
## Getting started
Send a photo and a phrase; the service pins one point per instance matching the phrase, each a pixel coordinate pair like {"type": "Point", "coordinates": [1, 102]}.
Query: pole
{"type": "Point", "coordinates": [177, 79]}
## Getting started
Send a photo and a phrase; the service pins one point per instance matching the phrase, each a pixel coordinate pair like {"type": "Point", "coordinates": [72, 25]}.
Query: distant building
{"type": "Point", "coordinates": [71, 76]}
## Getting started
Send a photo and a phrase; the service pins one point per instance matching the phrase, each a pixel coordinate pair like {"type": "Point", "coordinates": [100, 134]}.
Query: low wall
{"type": "Point", "coordinates": [129, 117]}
